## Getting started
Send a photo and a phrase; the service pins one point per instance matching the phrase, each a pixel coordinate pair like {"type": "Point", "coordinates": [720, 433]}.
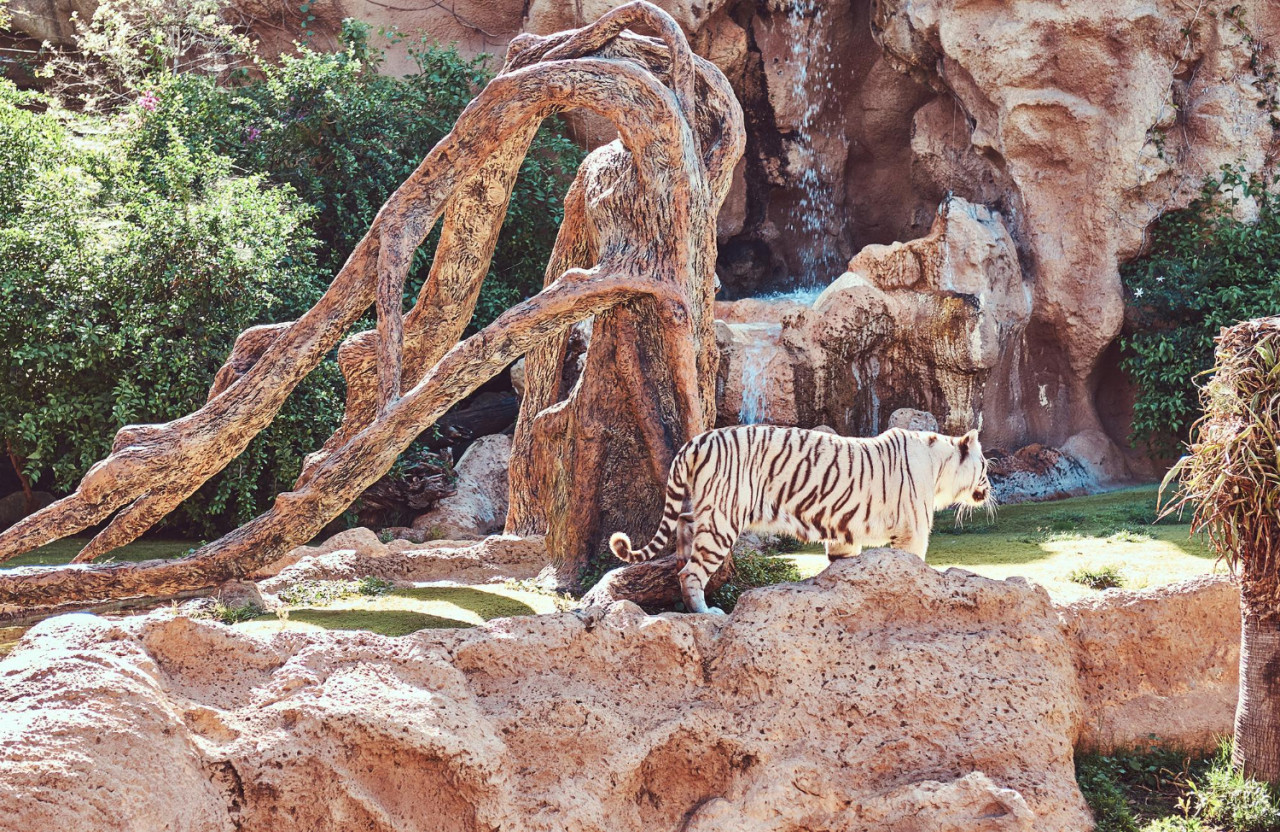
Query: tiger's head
{"type": "Point", "coordinates": [962, 472]}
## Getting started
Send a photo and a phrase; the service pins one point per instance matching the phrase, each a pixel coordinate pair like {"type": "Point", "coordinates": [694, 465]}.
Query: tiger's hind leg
{"type": "Point", "coordinates": [837, 549]}
{"type": "Point", "coordinates": [707, 553]}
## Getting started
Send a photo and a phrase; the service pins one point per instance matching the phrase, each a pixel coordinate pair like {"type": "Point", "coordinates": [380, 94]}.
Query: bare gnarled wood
{"type": "Point", "coordinates": [593, 460]}
{"type": "Point", "coordinates": [635, 253]}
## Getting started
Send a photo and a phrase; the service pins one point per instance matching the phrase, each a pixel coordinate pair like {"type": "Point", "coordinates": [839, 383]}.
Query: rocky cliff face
{"type": "Point", "coordinates": [881, 694]}
{"type": "Point", "coordinates": [1076, 124]}
{"type": "Point", "coordinates": [937, 324]}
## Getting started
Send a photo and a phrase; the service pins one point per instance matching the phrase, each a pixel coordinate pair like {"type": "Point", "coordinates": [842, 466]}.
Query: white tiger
{"type": "Point", "coordinates": [812, 485]}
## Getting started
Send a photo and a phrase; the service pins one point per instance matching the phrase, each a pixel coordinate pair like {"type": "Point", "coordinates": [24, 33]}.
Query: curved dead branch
{"type": "Point", "coordinates": [298, 515]}
{"type": "Point", "coordinates": [641, 215]}
{"type": "Point", "coordinates": [176, 458]}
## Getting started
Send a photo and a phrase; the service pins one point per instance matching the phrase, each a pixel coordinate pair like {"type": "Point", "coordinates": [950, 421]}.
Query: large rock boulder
{"type": "Point", "coordinates": [879, 694]}
{"type": "Point", "coordinates": [359, 541]}
{"type": "Point", "coordinates": [496, 558]}
{"type": "Point", "coordinates": [91, 737]}
{"type": "Point", "coordinates": [479, 506]}
{"type": "Point", "coordinates": [13, 507]}
{"type": "Point", "coordinates": [1089, 120]}
{"type": "Point", "coordinates": [1158, 665]}
{"type": "Point", "coordinates": [935, 325]}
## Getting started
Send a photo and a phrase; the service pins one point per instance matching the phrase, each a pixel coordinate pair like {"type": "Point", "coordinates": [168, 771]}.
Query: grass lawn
{"type": "Point", "coordinates": [407, 610]}
{"type": "Point", "coordinates": [1047, 542]}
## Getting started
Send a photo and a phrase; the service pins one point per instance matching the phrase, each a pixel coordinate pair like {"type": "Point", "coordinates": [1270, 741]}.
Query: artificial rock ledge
{"type": "Point", "coordinates": [877, 694]}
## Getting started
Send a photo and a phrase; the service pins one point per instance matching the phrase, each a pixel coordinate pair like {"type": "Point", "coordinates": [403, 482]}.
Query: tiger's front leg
{"type": "Point", "coordinates": [917, 543]}
{"type": "Point", "coordinates": [837, 549]}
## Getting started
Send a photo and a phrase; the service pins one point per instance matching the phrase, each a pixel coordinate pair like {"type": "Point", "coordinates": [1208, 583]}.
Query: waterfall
{"type": "Point", "coordinates": [811, 55]}
{"type": "Point", "coordinates": [807, 295]}
{"type": "Point", "coordinates": [761, 346]}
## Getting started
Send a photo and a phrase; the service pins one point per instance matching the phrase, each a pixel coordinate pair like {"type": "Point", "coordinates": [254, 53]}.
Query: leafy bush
{"type": "Point", "coordinates": [128, 47]}
{"type": "Point", "coordinates": [1098, 783]}
{"type": "Point", "coordinates": [1225, 796]}
{"type": "Point", "coordinates": [124, 279]}
{"type": "Point", "coordinates": [1175, 823]}
{"type": "Point", "coordinates": [1156, 789]}
{"type": "Point", "coordinates": [1103, 577]}
{"type": "Point", "coordinates": [235, 615]}
{"type": "Point", "coordinates": [752, 569]}
{"type": "Point", "coordinates": [135, 246]}
{"type": "Point", "coordinates": [345, 137]}
{"type": "Point", "coordinates": [1205, 269]}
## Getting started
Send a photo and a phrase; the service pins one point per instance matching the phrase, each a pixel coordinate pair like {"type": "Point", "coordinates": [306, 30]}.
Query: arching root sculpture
{"type": "Point", "coordinates": [636, 251]}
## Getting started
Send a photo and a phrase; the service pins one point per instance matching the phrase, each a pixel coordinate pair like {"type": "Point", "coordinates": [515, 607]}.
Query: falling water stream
{"type": "Point", "coordinates": [811, 55]}
{"type": "Point", "coordinates": [816, 212]}
{"type": "Point", "coordinates": [761, 347]}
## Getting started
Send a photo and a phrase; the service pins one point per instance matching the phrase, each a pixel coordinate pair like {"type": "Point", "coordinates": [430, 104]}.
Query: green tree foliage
{"type": "Point", "coordinates": [136, 244]}
{"type": "Point", "coordinates": [124, 279]}
{"type": "Point", "coordinates": [1205, 269]}
{"type": "Point", "coordinates": [345, 137]}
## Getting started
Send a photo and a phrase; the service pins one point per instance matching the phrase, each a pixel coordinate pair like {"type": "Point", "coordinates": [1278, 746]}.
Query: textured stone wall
{"type": "Point", "coordinates": [880, 694]}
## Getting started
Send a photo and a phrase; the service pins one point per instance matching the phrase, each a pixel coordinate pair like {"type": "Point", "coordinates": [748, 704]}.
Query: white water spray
{"type": "Point", "coordinates": [754, 409]}
{"type": "Point", "coordinates": [812, 57]}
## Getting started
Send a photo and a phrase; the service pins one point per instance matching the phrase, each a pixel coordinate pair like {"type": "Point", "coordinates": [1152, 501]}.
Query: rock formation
{"type": "Point", "coordinates": [1079, 124]}
{"type": "Point", "coordinates": [936, 324]}
{"type": "Point", "coordinates": [479, 506]}
{"type": "Point", "coordinates": [496, 558]}
{"type": "Point", "coordinates": [880, 694]}
{"type": "Point", "coordinates": [803, 710]}
{"type": "Point", "coordinates": [1160, 664]}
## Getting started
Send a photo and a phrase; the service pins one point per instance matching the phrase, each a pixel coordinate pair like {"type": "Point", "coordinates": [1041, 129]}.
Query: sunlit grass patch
{"type": "Point", "coordinates": [62, 551]}
{"type": "Point", "coordinates": [407, 609]}
{"type": "Point", "coordinates": [1048, 542]}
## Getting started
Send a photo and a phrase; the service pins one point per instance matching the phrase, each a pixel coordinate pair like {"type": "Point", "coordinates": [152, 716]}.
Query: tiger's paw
{"type": "Point", "coordinates": [716, 611]}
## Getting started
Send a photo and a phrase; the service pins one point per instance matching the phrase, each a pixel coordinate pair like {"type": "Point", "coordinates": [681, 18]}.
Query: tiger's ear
{"type": "Point", "coordinates": [966, 444]}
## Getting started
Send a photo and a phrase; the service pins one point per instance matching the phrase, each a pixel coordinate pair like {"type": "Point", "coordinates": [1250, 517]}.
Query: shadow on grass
{"type": "Point", "coordinates": [487, 605]}
{"type": "Point", "coordinates": [62, 551]}
{"type": "Point", "coordinates": [383, 622]}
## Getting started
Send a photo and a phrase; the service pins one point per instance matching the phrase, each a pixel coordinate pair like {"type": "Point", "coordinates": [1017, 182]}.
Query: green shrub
{"type": "Point", "coordinates": [345, 137]}
{"type": "Point", "coordinates": [234, 615]}
{"type": "Point", "coordinates": [124, 279]}
{"type": "Point", "coordinates": [1099, 783]}
{"type": "Point", "coordinates": [1205, 269]}
{"type": "Point", "coordinates": [1176, 823]}
{"type": "Point", "coordinates": [1224, 796]}
{"type": "Point", "coordinates": [372, 586]}
{"type": "Point", "coordinates": [752, 569]}
{"type": "Point", "coordinates": [135, 246]}
{"type": "Point", "coordinates": [1104, 577]}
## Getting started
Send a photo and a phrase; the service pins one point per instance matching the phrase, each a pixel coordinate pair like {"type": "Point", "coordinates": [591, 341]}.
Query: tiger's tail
{"type": "Point", "coordinates": [677, 493]}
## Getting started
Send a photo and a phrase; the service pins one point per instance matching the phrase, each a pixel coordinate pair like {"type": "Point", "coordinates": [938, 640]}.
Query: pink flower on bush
{"type": "Point", "coordinates": [251, 135]}
{"type": "Point", "coordinates": [148, 101]}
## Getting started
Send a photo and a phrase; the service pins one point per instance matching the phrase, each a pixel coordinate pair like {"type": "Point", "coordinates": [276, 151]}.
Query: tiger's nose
{"type": "Point", "coordinates": [979, 494]}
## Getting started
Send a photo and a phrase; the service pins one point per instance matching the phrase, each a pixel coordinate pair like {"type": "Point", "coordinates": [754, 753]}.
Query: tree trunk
{"type": "Point", "coordinates": [1257, 729]}
{"type": "Point", "coordinates": [591, 458]}
{"type": "Point", "coordinates": [639, 232]}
